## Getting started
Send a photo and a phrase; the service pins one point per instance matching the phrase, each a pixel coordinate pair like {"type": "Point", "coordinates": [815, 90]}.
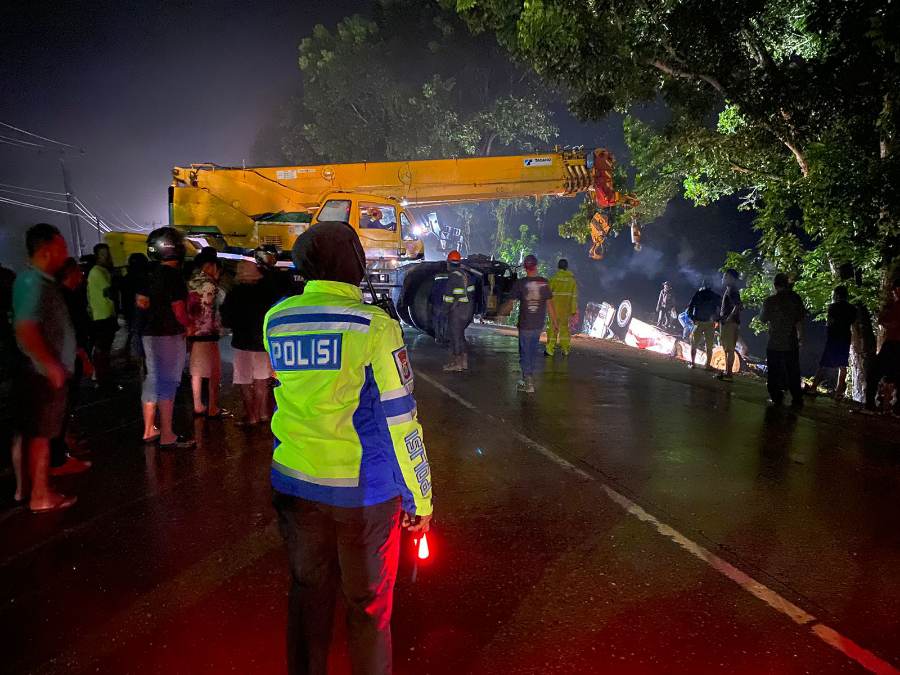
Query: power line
{"type": "Point", "coordinates": [37, 207]}
{"type": "Point", "coordinates": [23, 142]}
{"type": "Point", "coordinates": [31, 196]}
{"type": "Point", "coordinates": [19, 187]}
{"type": "Point", "coordinates": [16, 144]}
{"type": "Point", "coordinates": [43, 138]}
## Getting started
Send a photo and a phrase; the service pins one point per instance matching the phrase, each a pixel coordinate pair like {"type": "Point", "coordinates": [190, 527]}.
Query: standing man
{"type": "Point", "coordinates": [703, 312]}
{"type": "Point", "coordinates": [665, 305]}
{"type": "Point", "coordinates": [729, 321]}
{"type": "Point", "coordinates": [103, 311]}
{"type": "Point", "coordinates": [784, 313]}
{"type": "Point", "coordinates": [532, 292]}
{"type": "Point", "coordinates": [244, 311]}
{"type": "Point", "coordinates": [887, 362]}
{"type": "Point", "coordinates": [838, 329]}
{"type": "Point", "coordinates": [349, 468]}
{"type": "Point", "coordinates": [45, 335]}
{"type": "Point", "coordinates": [458, 306]}
{"type": "Point", "coordinates": [164, 301]}
{"type": "Point", "coordinates": [565, 304]}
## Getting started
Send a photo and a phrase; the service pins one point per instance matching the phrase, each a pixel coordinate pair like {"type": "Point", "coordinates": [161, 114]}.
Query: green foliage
{"type": "Point", "coordinates": [374, 92]}
{"type": "Point", "coordinates": [766, 102]}
{"type": "Point", "coordinates": [513, 250]}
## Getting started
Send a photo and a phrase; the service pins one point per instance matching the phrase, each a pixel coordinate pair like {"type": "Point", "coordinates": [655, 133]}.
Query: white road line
{"type": "Point", "coordinates": [828, 635]}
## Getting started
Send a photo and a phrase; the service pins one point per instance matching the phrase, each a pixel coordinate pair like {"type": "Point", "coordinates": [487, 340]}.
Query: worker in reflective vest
{"type": "Point", "coordinates": [458, 302]}
{"type": "Point", "coordinates": [565, 302]}
{"type": "Point", "coordinates": [349, 467]}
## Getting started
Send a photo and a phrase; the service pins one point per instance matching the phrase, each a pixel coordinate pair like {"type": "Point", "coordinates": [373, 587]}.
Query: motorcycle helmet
{"type": "Point", "coordinates": [165, 243]}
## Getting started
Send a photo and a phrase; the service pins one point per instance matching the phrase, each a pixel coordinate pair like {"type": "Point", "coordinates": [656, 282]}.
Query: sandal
{"type": "Point", "coordinates": [180, 443]}
{"type": "Point", "coordinates": [62, 503]}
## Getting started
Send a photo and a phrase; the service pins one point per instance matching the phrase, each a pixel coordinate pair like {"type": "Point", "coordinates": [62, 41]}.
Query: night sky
{"type": "Point", "coordinates": [143, 87]}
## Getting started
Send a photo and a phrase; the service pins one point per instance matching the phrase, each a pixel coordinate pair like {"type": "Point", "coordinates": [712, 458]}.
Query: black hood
{"type": "Point", "coordinates": [325, 252]}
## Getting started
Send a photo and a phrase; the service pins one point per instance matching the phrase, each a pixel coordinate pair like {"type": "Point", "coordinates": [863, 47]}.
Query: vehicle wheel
{"type": "Point", "coordinates": [622, 319]}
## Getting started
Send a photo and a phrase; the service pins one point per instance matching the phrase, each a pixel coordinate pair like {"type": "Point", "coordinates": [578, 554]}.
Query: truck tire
{"type": "Point", "coordinates": [622, 320]}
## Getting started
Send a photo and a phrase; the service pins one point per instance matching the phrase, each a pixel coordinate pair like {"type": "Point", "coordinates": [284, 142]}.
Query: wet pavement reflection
{"type": "Point", "coordinates": [171, 562]}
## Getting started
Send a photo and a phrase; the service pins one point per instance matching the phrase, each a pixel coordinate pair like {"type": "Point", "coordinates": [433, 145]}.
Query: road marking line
{"type": "Point", "coordinates": [828, 635]}
{"type": "Point", "coordinates": [549, 454]}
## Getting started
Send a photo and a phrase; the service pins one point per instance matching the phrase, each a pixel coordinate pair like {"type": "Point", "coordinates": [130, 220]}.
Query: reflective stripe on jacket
{"type": "Point", "coordinates": [458, 288]}
{"type": "Point", "coordinates": [346, 431]}
{"type": "Point", "coordinates": [565, 293]}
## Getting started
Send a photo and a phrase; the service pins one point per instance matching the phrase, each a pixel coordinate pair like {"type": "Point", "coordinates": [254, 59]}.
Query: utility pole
{"type": "Point", "coordinates": [74, 225]}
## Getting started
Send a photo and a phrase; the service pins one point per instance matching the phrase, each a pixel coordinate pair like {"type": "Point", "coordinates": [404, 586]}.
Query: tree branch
{"type": "Point", "coordinates": [686, 75]}
{"type": "Point", "coordinates": [746, 169]}
{"type": "Point", "coordinates": [672, 71]}
{"type": "Point", "coordinates": [359, 114]}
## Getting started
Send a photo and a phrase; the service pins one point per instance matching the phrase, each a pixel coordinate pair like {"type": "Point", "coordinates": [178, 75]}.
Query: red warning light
{"type": "Point", "coordinates": [422, 551]}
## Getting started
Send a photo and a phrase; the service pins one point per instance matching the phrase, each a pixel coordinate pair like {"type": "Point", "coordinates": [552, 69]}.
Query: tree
{"type": "Point", "coordinates": [790, 105]}
{"type": "Point", "coordinates": [373, 92]}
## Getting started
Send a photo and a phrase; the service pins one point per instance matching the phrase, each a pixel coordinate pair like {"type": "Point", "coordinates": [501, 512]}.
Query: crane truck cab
{"type": "Point", "coordinates": [385, 229]}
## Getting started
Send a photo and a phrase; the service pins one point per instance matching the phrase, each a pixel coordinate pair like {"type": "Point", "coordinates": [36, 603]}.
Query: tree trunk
{"type": "Point", "coordinates": [862, 348]}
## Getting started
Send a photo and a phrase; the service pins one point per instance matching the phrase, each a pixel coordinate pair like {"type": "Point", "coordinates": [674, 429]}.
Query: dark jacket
{"type": "Point", "coordinates": [243, 312]}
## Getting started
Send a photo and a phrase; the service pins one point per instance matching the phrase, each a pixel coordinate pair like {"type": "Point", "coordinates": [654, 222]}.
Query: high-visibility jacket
{"type": "Point", "coordinates": [565, 293]}
{"type": "Point", "coordinates": [458, 289]}
{"type": "Point", "coordinates": [346, 431]}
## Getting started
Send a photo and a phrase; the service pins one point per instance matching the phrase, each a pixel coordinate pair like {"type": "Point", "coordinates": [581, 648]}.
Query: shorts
{"type": "Point", "coordinates": [164, 361]}
{"type": "Point", "coordinates": [835, 355]}
{"type": "Point", "coordinates": [205, 359]}
{"type": "Point", "coordinates": [250, 366]}
{"type": "Point", "coordinates": [41, 406]}
{"type": "Point", "coordinates": [728, 335]}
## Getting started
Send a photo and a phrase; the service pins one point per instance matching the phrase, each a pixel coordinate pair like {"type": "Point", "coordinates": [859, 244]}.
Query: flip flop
{"type": "Point", "coordinates": [221, 415]}
{"type": "Point", "coordinates": [181, 443]}
{"type": "Point", "coordinates": [63, 503]}
{"type": "Point", "coordinates": [151, 440]}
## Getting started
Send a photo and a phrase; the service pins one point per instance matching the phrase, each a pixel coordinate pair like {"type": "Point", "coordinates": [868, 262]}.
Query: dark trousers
{"type": "Point", "coordinates": [354, 549]}
{"type": "Point", "coordinates": [784, 374]}
{"type": "Point", "coordinates": [59, 449]}
{"type": "Point", "coordinates": [457, 320]}
{"type": "Point", "coordinates": [439, 323]}
{"type": "Point", "coordinates": [885, 364]}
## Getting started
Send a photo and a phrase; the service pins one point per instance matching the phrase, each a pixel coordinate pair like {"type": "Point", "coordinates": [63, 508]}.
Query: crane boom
{"type": "Point", "coordinates": [232, 200]}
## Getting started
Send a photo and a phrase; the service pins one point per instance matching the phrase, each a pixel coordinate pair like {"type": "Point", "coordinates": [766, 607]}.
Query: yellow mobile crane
{"type": "Point", "coordinates": [236, 209]}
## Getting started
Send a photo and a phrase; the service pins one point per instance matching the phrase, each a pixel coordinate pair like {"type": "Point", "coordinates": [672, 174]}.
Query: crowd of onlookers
{"type": "Point", "coordinates": [848, 329]}
{"type": "Point", "coordinates": [60, 317]}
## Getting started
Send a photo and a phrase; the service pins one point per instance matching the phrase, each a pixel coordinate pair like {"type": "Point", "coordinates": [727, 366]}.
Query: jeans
{"type": "Point", "coordinates": [354, 549]}
{"type": "Point", "coordinates": [784, 373]}
{"type": "Point", "coordinates": [165, 356]}
{"type": "Point", "coordinates": [529, 342]}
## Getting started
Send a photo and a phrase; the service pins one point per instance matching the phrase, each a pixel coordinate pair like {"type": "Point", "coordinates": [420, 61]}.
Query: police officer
{"type": "Point", "coordinates": [565, 302]}
{"type": "Point", "coordinates": [458, 304]}
{"type": "Point", "coordinates": [349, 467]}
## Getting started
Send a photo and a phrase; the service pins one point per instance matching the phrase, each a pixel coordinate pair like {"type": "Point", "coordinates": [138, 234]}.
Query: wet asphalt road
{"type": "Point", "coordinates": [170, 562]}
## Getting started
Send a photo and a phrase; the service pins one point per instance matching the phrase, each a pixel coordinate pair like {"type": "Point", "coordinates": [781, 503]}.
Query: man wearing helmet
{"type": "Point", "coordinates": [165, 301]}
{"type": "Point", "coordinates": [458, 304]}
